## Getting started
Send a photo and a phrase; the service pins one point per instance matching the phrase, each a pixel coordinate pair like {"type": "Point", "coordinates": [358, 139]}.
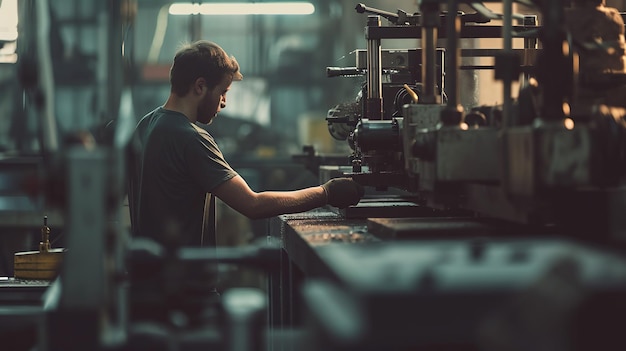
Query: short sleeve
{"type": "Point", "coordinates": [206, 163]}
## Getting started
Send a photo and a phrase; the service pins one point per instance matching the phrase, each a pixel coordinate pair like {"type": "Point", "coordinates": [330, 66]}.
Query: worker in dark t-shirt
{"type": "Point", "coordinates": [178, 169]}
{"type": "Point", "coordinates": [181, 164]}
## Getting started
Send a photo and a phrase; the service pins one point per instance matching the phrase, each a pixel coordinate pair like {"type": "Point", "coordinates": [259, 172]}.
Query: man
{"type": "Point", "coordinates": [179, 168]}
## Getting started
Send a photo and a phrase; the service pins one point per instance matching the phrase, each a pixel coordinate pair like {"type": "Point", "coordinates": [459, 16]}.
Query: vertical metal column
{"type": "Point", "coordinates": [507, 34]}
{"type": "Point", "coordinates": [79, 318]}
{"type": "Point", "coordinates": [452, 115]}
{"type": "Point", "coordinates": [114, 59]}
{"type": "Point", "coordinates": [529, 44]}
{"type": "Point", "coordinates": [553, 68]}
{"type": "Point", "coordinates": [84, 262]}
{"type": "Point", "coordinates": [374, 73]}
{"type": "Point", "coordinates": [430, 23]}
{"type": "Point", "coordinates": [48, 126]}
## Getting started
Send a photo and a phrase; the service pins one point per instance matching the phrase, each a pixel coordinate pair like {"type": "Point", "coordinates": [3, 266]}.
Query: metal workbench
{"type": "Point", "coordinates": [302, 236]}
{"type": "Point", "coordinates": [439, 282]}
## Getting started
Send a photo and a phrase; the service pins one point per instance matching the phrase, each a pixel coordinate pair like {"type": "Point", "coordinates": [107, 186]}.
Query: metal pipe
{"type": "Point", "coordinates": [507, 34]}
{"type": "Point", "coordinates": [529, 44]}
{"type": "Point", "coordinates": [553, 65]}
{"type": "Point", "coordinates": [430, 22]}
{"type": "Point", "coordinates": [453, 28]}
{"type": "Point", "coordinates": [452, 115]}
{"type": "Point", "coordinates": [114, 59]}
{"type": "Point", "coordinates": [50, 141]}
{"type": "Point", "coordinates": [429, 62]}
{"type": "Point", "coordinates": [374, 73]}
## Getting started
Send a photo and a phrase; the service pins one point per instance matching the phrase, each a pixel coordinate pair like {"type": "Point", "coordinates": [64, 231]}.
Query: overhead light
{"type": "Point", "coordinates": [8, 20]}
{"type": "Point", "coordinates": [242, 8]}
{"type": "Point", "coordinates": [8, 31]}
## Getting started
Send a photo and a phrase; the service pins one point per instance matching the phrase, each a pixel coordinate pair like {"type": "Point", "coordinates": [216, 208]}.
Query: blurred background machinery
{"type": "Point", "coordinates": [490, 137]}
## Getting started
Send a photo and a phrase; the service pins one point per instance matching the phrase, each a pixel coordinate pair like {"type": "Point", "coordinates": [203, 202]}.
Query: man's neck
{"type": "Point", "coordinates": [182, 105]}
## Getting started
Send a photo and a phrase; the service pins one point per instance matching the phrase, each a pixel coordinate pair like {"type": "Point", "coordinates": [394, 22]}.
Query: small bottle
{"type": "Point", "coordinates": [44, 244]}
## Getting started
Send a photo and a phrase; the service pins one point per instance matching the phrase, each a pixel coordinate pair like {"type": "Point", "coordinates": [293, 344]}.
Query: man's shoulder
{"type": "Point", "coordinates": [157, 113]}
{"type": "Point", "coordinates": [161, 117]}
{"type": "Point", "coordinates": [203, 136]}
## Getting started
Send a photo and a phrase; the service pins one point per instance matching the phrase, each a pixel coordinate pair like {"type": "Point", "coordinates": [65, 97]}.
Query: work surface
{"type": "Point", "coordinates": [22, 291]}
{"type": "Point", "coordinates": [446, 277]}
{"type": "Point", "coordinates": [314, 239]}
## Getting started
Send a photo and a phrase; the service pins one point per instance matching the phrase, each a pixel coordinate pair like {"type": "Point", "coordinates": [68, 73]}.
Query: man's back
{"type": "Point", "coordinates": [176, 165]}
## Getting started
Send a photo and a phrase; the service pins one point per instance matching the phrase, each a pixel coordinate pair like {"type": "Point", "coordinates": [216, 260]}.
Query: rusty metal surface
{"type": "Point", "coordinates": [327, 227]}
{"type": "Point", "coordinates": [387, 208]}
{"type": "Point", "coordinates": [442, 228]}
{"type": "Point", "coordinates": [303, 234]}
{"type": "Point", "coordinates": [395, 207]}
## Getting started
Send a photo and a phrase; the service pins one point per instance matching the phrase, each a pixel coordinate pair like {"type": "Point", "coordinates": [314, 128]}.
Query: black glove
{"type": "Point", "coordinates": [343, 192]}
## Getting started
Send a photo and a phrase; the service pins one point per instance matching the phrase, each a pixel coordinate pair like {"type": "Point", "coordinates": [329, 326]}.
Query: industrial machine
{"type": "Point", "coordinates": [491, 184]}
{"type": "Point", "coordinates": [549, 157]}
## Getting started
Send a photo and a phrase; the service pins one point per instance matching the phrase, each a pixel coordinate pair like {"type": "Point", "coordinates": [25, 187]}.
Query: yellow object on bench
{"type": "Point", "coordinates": [40, 265]}
{"type": "Point", "coordinates": [37, 265]}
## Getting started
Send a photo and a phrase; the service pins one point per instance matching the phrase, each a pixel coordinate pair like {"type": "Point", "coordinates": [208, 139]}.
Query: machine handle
{"type": "Point", "coordinates": [360, 8]}
{"type": "Point", "coordinates": [343, 71]}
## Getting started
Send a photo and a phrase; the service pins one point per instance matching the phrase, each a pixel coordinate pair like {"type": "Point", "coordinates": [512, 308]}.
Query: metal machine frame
{"type": "Point", "coordinates": [533, 173]}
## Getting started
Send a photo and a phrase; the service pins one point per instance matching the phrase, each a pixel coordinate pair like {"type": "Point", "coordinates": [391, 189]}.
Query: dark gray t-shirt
{"type": "Point", "coordinates": [176, 164]}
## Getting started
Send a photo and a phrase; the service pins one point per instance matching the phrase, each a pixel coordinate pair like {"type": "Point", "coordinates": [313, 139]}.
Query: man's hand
{"type": "Point", "coordinates": [343, 192]}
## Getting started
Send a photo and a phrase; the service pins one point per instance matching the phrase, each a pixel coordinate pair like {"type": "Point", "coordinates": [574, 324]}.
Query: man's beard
{"type": "Point", "coordinates": [201, 118]}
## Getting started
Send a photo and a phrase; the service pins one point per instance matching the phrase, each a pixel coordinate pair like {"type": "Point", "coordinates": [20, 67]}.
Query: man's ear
{"type": "Point", "coordinates": [199, 85]}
